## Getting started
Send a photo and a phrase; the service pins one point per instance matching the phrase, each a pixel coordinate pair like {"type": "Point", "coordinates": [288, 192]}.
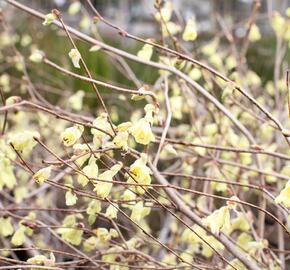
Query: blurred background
{"type": "Point", "coordinates": [137, 17]}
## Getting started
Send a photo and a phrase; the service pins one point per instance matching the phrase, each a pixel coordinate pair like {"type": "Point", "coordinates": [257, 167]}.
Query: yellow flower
{"type": "Point", "coordinates": [6, 228]}
{"type": "Point", "coordinates": [90, 244]}
{"type": "Point", "coordinates": [146, 52]}
{"type": "Point", "coordinates": [49, 18]}
{"type": "Point", "coordinates": [81, 153]}
{"type": "Point", "coordinates": [254, 34]}
{"type": "Point", "coordinates": [68, 231]}
{"type": "Point", "coordinates": [74, 8]}
{"type": "Point", "coordinates": [70, 135]}
{"type": "Point", "coordinates": [70, 198]}
{"type": "Point", "coordinates": [150, 110]}
{"type": "Point", "coordinates": [237, 264]}
{"type": "Point", "coordinates": [18, 237]}
{"type": "Point", "coordinates": [42, 175]}
{"type": "Point", "coordinates": [241, 222]}
{"type": "Point", "coordinates": [142, 132]}
{"type": "Point", "coordinates": [139, 212]}
{"type": "Point", "coordinates": [165, 12]}
{"type": "Point", "coordinates": [36, 56]}
{"type": "Point", "coordinates": [284, 196]}
{"type": "Point", "coordinates": [246, 242]}
{"type": "Point", "coordinates": [76, 100]}
{"type": "Point", "coordinates": [111, 257]}
{"type": "Point", "coordinates": [177, 103]}
{"type": "Point", "coordinates": [190, 32]}
{"type": "Point", "coordinates": [121, 140]}
{"type": "Point", "coordinates": [5, 82]}
{"type": "Point", "coordinates": [103, 189]}
{"type": "Point", "coordinates": [12, 100]}
{"type": "Point", "coordinates": [195, 74]}
{"type": "Point", "coordinates": [24, 141]}
{"type": "Point", "coordinates": [124, 126]}
{"type": "Point", "coordinates": [94, 207]}
{"type": "Point", "coordinates": [140, 174]}
{"type": "Point", "coordinates": [75, 57]}
{"type": "Point", "coordinates": [42, 260]}
{"type": "Point", "coordinates": [112, 211]}
{"type": "Point", "coordinates": [7, 177]}
{"type": "Point", "coordinates": [103, 235]}
{"type": "Point", "coordinates": [279, 24]}
{"type": "Point", "coordinates": [85, 23]}
{"type": "Point", "coordinates": [219, 219]}
{"type": "Point", "coordinates": [71, 235]}
{"type": "Point", "coordinates": [129, 196]}
{"type": "Point", "coordinates": [104, 127]}
{"type": "Point", "coordinates": [90, 171]}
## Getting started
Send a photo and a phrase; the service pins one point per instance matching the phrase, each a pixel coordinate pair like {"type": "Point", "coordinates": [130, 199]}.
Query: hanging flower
{"type": "Point", "coordinates": [218, 220]}
{"type": "Point", "coordinates": [70, 198]}
{"type": "Point", "coordinates": [7, 177]}
{"type": "Point", "coordinates": [36, 56]}
{"type": "Point", "coordinates": [140, 174]}
{"type": "Point", "coordinates": [146, 52]}
{"type": "Point", "coordinates": [42, 175]}
{"type": "Point", "coordinates": [24, 141]}
{"type": "Point", "coordinates": [284, 196]}
{"type": "Point", "coordinates": [70, 135]}
{"type": "Point", "coordinates": [49, 18]}
{"type": "Point", "coordinates": [142, 132]}
{"type": "Point", "coordinates": [75, 57]}
{"type": "Point", "coordinates": [90, 171]}
{"type": "Point", "coordinates": [76, 101]}
{"type": "Point", "coordinates": [139, 212]}
{"type": "Point", "coordinates": [121, 140]}
{"type": "Point", "coordinates": [254, 34]}
{"type": "Point", "coordinates": [104, 127]}
{"type": "Point", "coordinates": [74, 8]}
{"type": "Point", "coordinates": [190, 32]}
{"type": "Point", "coordinates": [103, 189]}
{"type": "Point", "coordinates": [42, 261]}
{"type": "Point", "coordinates": [112, 211]}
